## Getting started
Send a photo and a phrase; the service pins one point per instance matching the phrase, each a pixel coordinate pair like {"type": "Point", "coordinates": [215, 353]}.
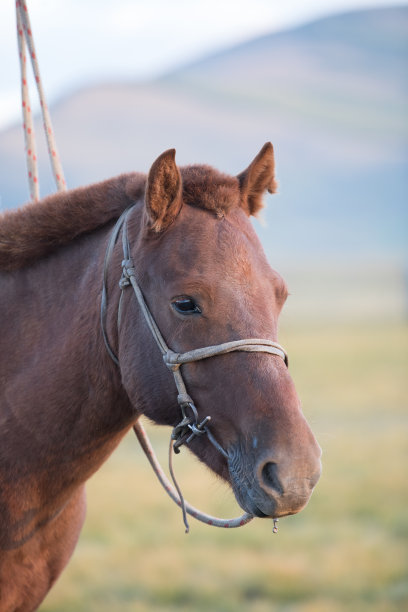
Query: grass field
{"type": "Point", "coordinates": [347, 550]}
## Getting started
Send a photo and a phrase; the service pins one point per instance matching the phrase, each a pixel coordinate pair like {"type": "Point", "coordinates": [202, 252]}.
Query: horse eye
{"type": "Point", "coordinates": [186, 305]}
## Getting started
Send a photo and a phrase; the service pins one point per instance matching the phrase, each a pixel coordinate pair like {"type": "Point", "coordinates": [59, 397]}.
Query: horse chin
{"type": "Point", "coordinates": [250, 507]}
{"type": "Point", "coordinates": [267, 507]}
{"type": "Point", "coordinates": [251, 504]}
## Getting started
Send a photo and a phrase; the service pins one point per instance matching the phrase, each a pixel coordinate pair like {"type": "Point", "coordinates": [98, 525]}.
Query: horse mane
{"type": "Point", "coordinates": [37, 229]}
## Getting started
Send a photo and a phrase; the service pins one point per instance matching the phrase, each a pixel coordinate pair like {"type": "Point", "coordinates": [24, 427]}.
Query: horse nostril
{"type": "Point", "coordinates": [270, 477]}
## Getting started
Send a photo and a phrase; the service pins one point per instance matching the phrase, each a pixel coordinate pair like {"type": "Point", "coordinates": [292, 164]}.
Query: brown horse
{"type": "Point", "coordinates": [65, 405]}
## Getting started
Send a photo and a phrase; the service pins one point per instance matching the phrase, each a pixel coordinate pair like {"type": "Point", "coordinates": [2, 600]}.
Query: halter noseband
{"type": "Point", "coordinates": [189, 426]}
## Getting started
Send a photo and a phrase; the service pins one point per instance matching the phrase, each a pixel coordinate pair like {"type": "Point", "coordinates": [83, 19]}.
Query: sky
{"type": "Point", "coordinates": [82, 42]}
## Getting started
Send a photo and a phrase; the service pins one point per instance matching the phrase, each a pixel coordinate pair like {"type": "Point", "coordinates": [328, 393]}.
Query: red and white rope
{"type": "Point", "coordinates": [26, 43]}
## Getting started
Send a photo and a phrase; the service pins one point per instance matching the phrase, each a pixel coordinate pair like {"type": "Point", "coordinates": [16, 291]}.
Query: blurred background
{"type": "Point", "coordinates": [327, 84]}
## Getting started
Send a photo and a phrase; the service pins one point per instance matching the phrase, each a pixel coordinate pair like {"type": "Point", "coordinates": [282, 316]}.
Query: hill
{"type": "Point", "coordinates": [331, 95]}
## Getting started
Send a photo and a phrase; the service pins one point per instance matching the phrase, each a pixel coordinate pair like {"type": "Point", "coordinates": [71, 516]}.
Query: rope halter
{"type": "Point", "coordinates": [189, 425]}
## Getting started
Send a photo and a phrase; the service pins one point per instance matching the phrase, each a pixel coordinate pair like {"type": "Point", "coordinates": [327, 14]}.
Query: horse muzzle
{"type": "Point", "coordinates": [271, 486]}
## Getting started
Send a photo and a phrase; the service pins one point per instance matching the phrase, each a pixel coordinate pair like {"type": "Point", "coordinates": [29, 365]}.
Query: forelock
{"type": "Point", "coordinates": [205, 187]}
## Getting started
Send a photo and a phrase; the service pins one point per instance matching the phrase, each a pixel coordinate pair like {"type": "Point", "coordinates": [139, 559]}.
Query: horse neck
{"type": "Point", "coordinates": [62, 400]}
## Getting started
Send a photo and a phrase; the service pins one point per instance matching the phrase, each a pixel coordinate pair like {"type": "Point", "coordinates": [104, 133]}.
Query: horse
{"type": "Point", "coordinates": [64, 402]}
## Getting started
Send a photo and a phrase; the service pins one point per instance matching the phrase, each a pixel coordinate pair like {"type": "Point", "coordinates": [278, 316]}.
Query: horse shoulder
{"type": "Point", "coordinates": [28, 572]}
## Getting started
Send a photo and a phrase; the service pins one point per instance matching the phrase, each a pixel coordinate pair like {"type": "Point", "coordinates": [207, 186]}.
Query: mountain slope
{"type": "Point", "coordinates": [330, 95]}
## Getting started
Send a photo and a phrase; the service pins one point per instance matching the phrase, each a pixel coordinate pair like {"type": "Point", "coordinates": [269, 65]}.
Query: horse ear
{"type": "Point", "coordinates": [163, 192]}
{"type": "Point", "coordinates": [257, 178]}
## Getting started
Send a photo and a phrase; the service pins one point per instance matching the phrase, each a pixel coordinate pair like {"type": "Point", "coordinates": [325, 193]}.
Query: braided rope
{"type": "Point", "coordinates": [29, 137]}
{"type": "Point", "coordinates": [25, 37]}
{"type": "Point", "coordinates": [249, 345]}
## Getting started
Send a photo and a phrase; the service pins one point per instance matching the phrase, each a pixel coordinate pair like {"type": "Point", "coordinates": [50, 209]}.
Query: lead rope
{"type": "Point", "coordinates": [197, 514]}
{"type": "Point", "coordinates": [25, 37]}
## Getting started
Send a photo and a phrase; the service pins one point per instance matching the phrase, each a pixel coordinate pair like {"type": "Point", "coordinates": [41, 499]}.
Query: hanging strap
{"type": "Point", "coordinates": [25, 37]}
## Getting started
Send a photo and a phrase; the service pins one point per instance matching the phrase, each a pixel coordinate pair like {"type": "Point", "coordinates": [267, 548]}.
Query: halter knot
{"type": "Point", "coordinates": [199, 430]}
{"type": "Point", "coordinates": [180, 432]}
{"type": "Point", "coordinates": [128, 270]}
{"type": "Point", "coordinates": [189, 426]}
{"type": "Point", "coordinates": [170, 359]}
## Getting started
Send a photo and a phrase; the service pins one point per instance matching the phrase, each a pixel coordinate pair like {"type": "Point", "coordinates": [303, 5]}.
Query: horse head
{"type": "Point", "coordinates": [206, 281]}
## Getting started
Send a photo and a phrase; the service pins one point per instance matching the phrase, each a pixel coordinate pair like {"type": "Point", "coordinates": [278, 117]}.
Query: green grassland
{"type": "Point", "coordinates": [347, 550]}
